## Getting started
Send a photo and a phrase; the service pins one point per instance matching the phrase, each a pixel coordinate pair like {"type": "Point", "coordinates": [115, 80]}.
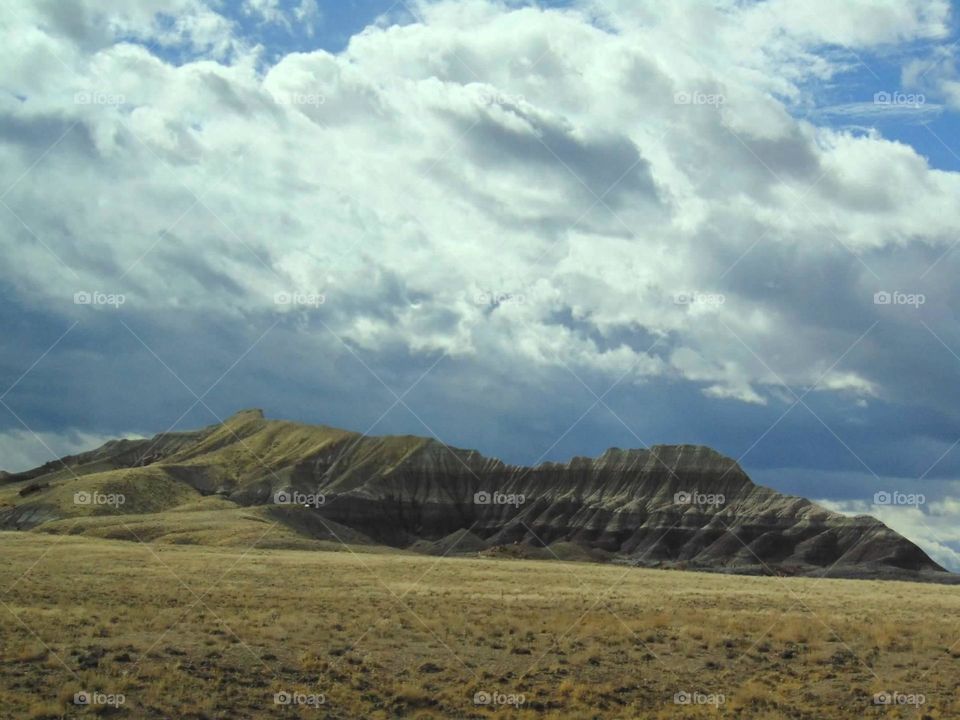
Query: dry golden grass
{"type": "Point", "coordinates": [201, 632]}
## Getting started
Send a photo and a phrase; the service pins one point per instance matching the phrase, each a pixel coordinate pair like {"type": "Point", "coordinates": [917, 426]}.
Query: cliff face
{"type": "Point", "coordinates": [670, 505]}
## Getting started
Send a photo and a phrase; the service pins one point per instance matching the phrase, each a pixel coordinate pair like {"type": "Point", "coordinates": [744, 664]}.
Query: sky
{"type": "Point", "coordinates": [535, 229]}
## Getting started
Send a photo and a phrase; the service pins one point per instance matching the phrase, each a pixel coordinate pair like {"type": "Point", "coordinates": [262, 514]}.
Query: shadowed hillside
{"type": "Point", "coordinates": [309, 486]}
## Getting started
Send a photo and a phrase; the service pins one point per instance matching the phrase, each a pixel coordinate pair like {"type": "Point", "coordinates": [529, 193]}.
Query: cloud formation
{"type": "Point", "coordinates": [543, 202]}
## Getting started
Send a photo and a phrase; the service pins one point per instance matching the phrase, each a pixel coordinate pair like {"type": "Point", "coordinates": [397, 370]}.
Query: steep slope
{"type": "Point", "coordinates": [672, 506]}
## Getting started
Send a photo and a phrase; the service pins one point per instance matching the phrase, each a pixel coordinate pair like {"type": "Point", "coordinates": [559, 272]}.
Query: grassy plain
{"type": "Point", "coordinates": [189, 631]}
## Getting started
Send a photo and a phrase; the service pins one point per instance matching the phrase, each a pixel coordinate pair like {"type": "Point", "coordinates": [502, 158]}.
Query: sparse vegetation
{"type": "Point", "coordinates": [202, 632]}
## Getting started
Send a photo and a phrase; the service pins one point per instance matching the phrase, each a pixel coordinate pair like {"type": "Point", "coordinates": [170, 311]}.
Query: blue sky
{"type": "Point", "coordinates": [926, 126]}
{"type": "Point", "coordinates": [332, 32]}
{"type": "Point", "coordinates": [546, 229]}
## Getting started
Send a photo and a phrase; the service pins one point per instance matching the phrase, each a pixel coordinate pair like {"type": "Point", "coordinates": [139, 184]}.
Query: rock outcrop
{"type": "Point", "coordinates": [669, 505]}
